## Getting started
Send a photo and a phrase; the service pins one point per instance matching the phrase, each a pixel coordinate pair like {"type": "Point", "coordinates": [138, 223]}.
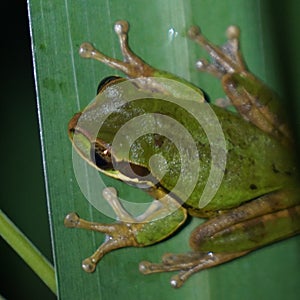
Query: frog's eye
{"type": "Point", "coordinates": [104, 83]}
{"type": "Point", "coordinates": [101, 157]}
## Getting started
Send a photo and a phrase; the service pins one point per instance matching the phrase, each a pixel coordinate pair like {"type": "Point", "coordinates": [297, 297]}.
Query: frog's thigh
{"type": "Point", "coordinates": [233, 234]}
{"type": "Point", "coordinates": [262, 221]}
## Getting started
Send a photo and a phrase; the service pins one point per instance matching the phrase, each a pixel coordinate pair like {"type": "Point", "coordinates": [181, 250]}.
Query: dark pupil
{"type": "Point", "coordinates": [98, 159]}
{"type": "Point", "coordinates": [106, 81]}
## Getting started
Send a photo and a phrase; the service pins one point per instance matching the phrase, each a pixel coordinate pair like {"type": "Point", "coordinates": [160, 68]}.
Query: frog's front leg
{"type": "Point", "coordinates": [250, 96]}
{"type": "Point", "coordinates": [233, 234]}
{"type": "Point", "coordinates": [134, 67]}
{"type": "Point", "coordinates": [160, 220]}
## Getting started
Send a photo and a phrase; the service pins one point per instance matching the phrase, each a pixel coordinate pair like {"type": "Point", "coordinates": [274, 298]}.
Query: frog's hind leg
{"type": "Point", "coordinates": [226, 59]}
{"type": "Point", "coordinates": [187, 264]}
{"type": "Point", "coordinates": [252, 99]}
{"type": "Point", "coordinates": [233, 234]}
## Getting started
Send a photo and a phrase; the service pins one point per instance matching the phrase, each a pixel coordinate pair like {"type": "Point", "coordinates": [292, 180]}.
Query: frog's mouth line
{"type": "Point", "coordinates": [98, 155]}
{"type": "Point", "coordinates": [131, 173]}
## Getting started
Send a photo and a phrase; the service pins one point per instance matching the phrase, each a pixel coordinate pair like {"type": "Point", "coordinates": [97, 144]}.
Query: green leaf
{"type": "Point", "coordinates": [23, 246]}
{"type": "Point", "coordinates": [66, 83]}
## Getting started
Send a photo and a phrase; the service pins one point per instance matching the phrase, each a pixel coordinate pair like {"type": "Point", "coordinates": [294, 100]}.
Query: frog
{"type": "Point", "coordinates": [257, 201]}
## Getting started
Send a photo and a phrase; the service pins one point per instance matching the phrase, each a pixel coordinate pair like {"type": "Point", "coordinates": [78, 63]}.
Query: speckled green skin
{"type": "Point", "coordinates": [257, 201]}
{"type": "Point", "coordinates": [256, 163]}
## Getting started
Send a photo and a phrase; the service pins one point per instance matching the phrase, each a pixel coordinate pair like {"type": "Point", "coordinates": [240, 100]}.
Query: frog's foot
{"type": "Point", "coordinates": [234, 233]}
{"type": "Point", "coordinates": [225, 59]}
{"type": "Point", "coordinates": [129, 231]}
{"type": "Point", "coordinates": [248, 94]}
{"type": "Point", "coordinates": [133, 66]}
{"type": "Point", "coordinates": [187, 264]}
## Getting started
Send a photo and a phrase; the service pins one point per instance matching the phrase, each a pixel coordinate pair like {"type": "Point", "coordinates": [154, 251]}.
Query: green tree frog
{"type": "Point", "coordinates": [257, 201]}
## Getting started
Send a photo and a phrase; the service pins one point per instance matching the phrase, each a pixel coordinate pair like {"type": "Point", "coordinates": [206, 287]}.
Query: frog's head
{"type": "Point", "coordinates": [155, 143]}
{"type": "Point", "coordinates": [95, 151]}
{"type": "Point", "coordinates": [94, 142]}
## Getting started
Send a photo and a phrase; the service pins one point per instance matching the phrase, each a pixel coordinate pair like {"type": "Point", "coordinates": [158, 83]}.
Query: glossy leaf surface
{"type": "Point", "coordinates": [66, 83]}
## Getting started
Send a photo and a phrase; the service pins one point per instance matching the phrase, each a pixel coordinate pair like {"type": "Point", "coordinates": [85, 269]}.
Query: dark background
{"type": "Point", "coordinates": [22, 191]}
{"type": "Point", "coordinates": [22, 184]}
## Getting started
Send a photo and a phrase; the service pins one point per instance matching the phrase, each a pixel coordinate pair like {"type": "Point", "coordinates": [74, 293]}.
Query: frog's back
{"type": "Point", "coordinates": [255, 164]}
